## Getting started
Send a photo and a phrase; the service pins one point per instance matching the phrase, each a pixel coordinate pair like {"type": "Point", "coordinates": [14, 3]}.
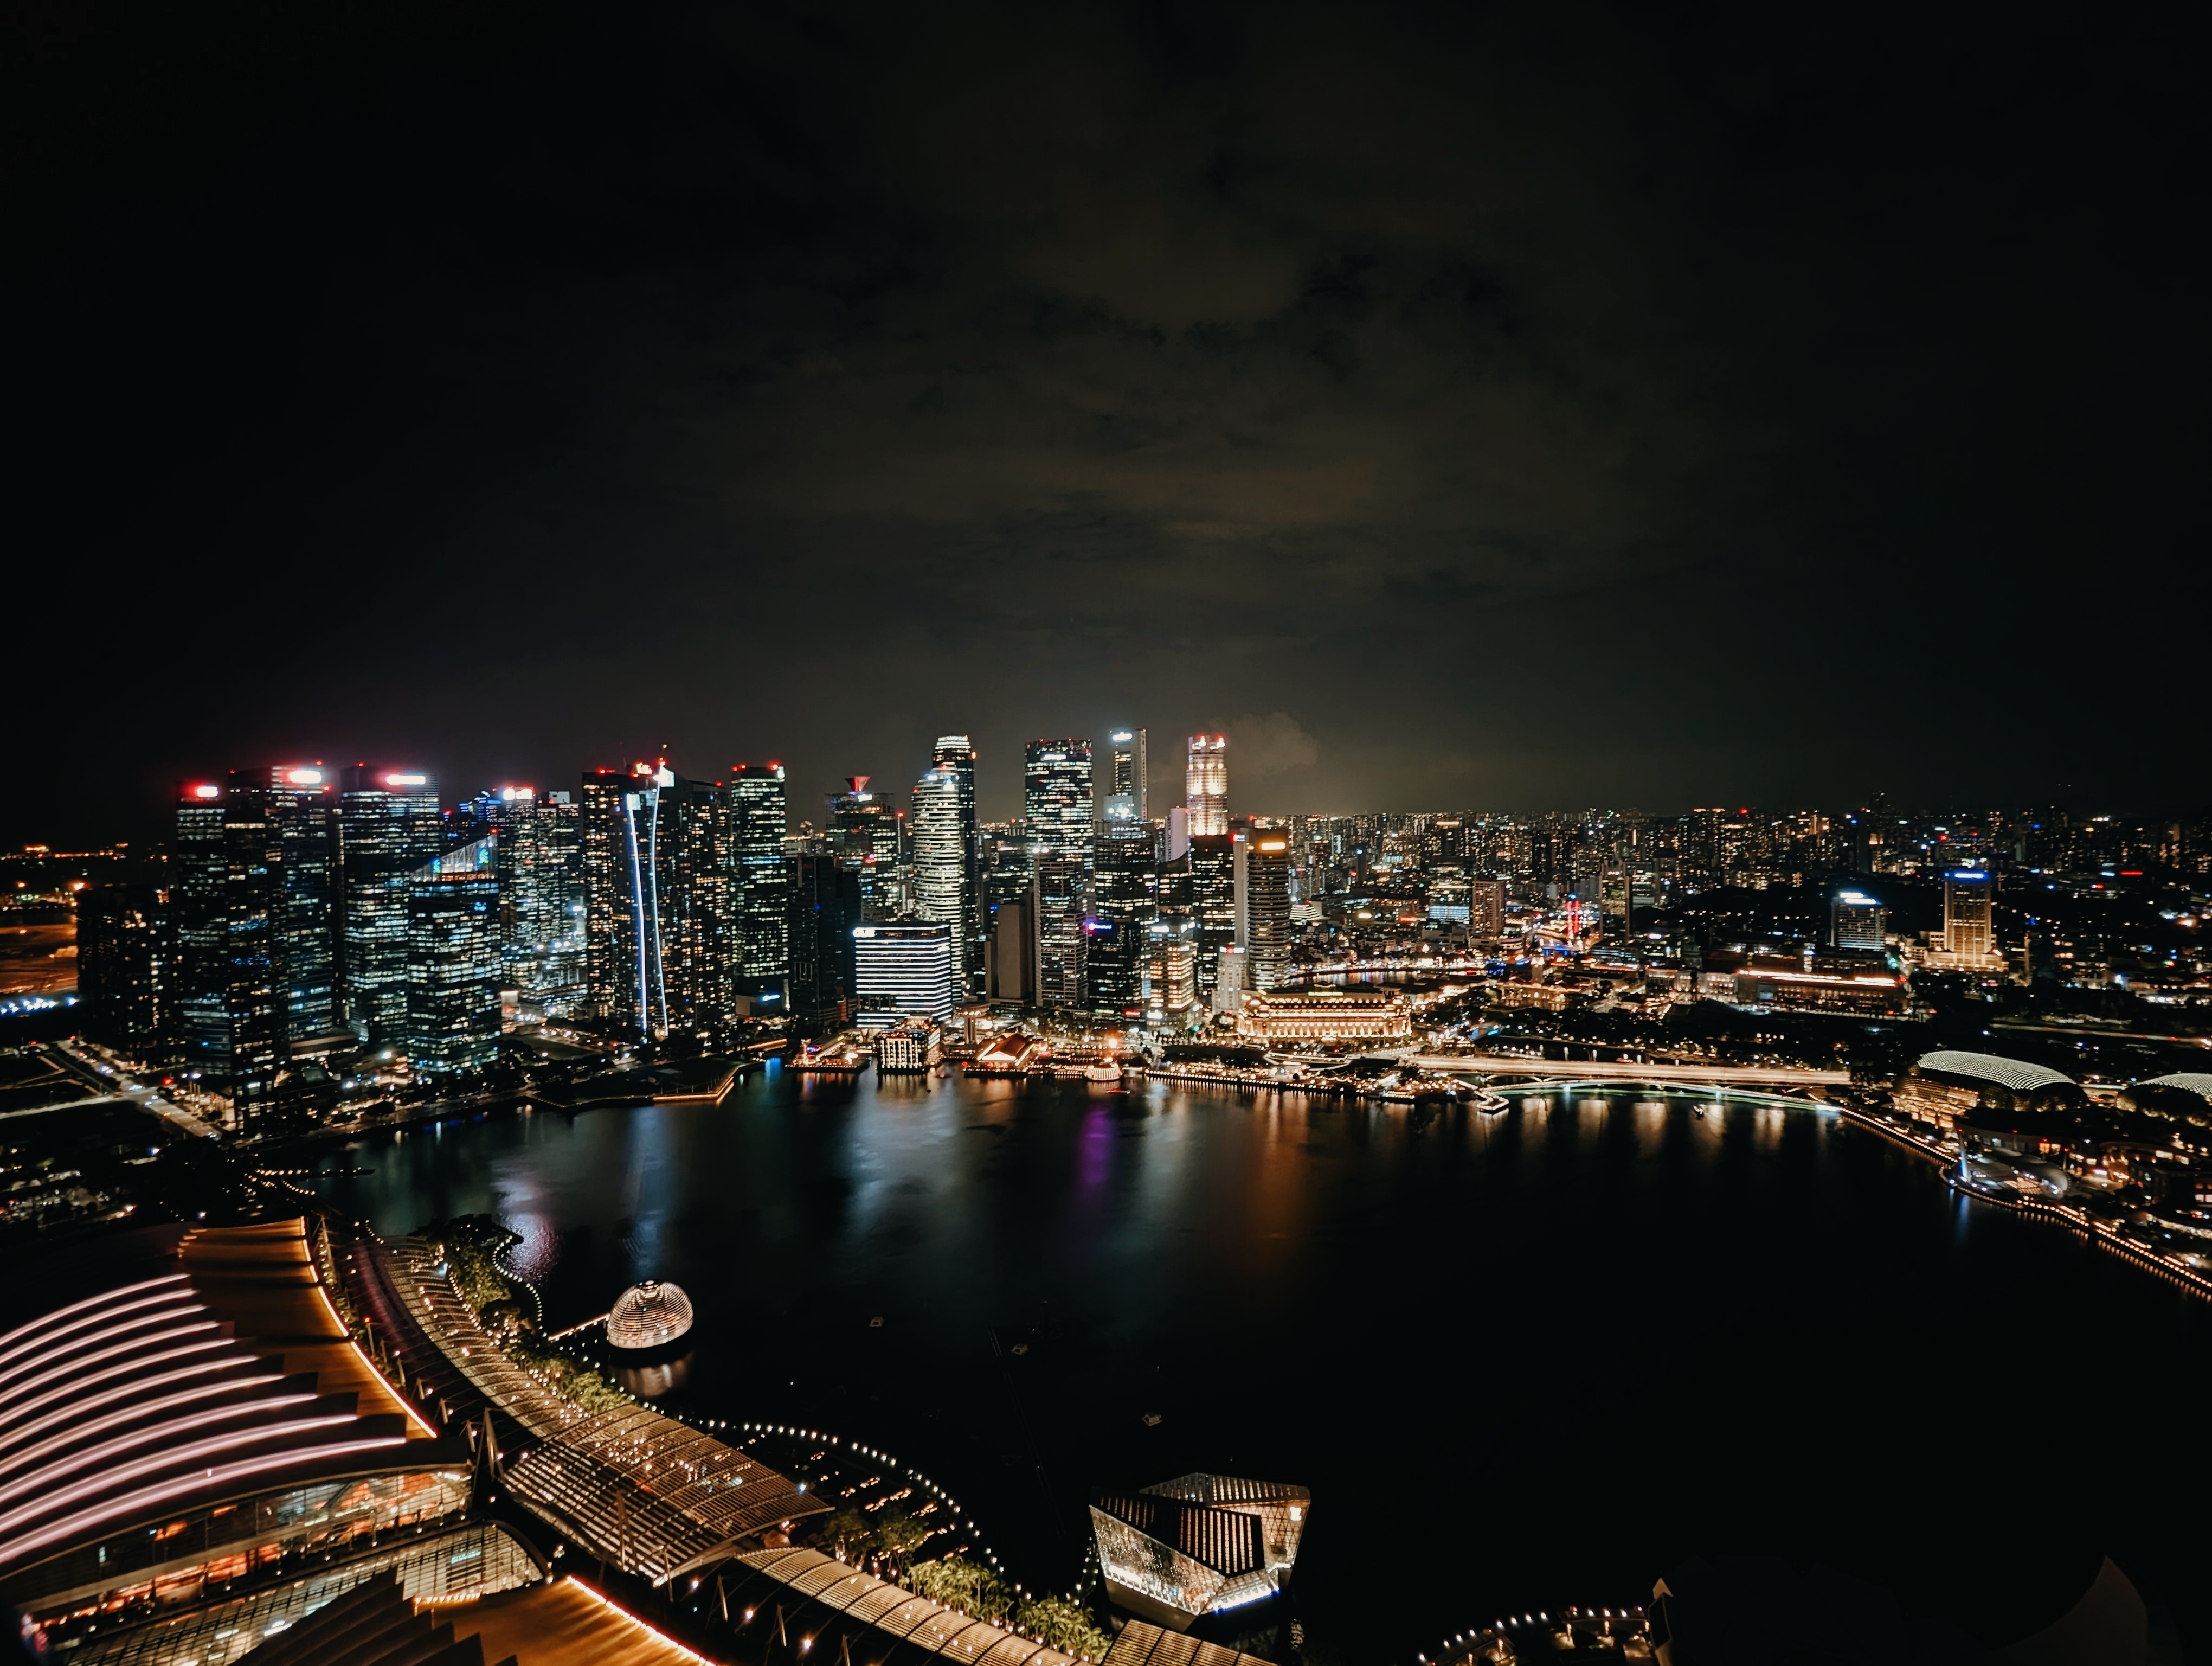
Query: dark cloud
{"type": "Point", "coordinates": [1542, 404]}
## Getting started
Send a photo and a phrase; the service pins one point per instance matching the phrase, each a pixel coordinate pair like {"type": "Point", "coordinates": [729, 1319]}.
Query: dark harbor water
{"type": "Point", "coordinates": [1521, 1362]}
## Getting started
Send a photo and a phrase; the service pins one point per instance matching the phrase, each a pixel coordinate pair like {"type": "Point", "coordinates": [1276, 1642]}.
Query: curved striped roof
{"type": "Point", "coordinates": [143, 1398]}
{"type": "Point", "coordinates": [2193, 1081]}
{"type": "Point", "coordinates": [2016, 1075]}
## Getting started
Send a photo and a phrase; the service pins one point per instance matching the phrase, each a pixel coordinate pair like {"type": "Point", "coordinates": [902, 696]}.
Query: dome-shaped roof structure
{"type": "Point", "coordinates": [649, 1314]}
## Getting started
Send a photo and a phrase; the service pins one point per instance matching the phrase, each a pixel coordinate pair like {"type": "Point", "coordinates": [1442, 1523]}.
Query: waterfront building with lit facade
{"type": "Point", "coordinates": [1276, 1016]}
{"type": "Point", "coordinates": [1947, 1085]}
{"type": "Point", "coordinates": [1117, 926]}
{"type": "Point", "coordinates": [1213, 859]}
{"type": "Point", "coordinates": [822, 896]}
{"type": "Point", "coordinates": [910, 1048]}
{"type": "Point", "coordinates": [536, 857]}
{"type": "Point", "coordinates": [1198, 1544]}
{"type": "Point", "coordinates": [903, 971]}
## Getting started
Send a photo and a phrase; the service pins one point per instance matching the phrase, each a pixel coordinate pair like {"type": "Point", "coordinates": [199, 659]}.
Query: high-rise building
{"type": "Point", "coordinates": [1174, 1001]}
{"type": "Point", "coordinates": [1062, 893]}
{"type": "Point", "coordinates": [538, 862]}
{"type": "Point", "coordinates": [126, 968]}
{"type": "Point", "coordinates": [1265, 906]}
{"type": "Point", "coordinates": [1117, 927]}
{"type": "Point", "coordinates": [389, 824]}
{"type": "Point", "coordinates": [1012, 965]}
{"type": "Point", "coordinates": [454, 964]}
{"type": "Point", "coordinates": [902, 971]}
{"type": "Point", "coordinates": [1205, 786]}
{"type": "Point", "coordinates": [947, 853]}
{"type": "Point", "coordinates": [229, 876]}
{"type": "Point", "coordinates": [1486, 906]}
{"type": "Point", "coordinates": [1212, 902]}
{"type": "Point", "coordinates": [1127, 797]}
{"type": "Point", "coordinates": [758, 822]}
{"type": "Point", "coordinates": [656, 892]}
{"type": "Point", "coordinates": [1857, 920]}
{"type": "Point", "coordinates": [301, 802]}
{"type": "Point", "coordinates": [1178, 833]}
{"type": "Point", "coordinates": [1966, 913]}
{"type": "Point", "coordinates": [863, 829]}
{"type": "Point", "coordinates": [1056, 801]}
{"type": "Point", "coordinates": [824, 896]}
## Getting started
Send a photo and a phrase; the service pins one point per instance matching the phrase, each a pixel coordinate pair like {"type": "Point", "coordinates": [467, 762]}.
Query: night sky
{"type": "Point", "coordinates": [1514, 406]}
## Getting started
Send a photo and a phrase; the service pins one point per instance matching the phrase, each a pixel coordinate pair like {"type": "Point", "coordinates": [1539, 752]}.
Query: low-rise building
{"type": "Point", "coordinates": [1324, 1015]}
{"type": "Point", "coordinates": [910, 1049]}
{"type": "Point", "coordinates": [1944, 1087]}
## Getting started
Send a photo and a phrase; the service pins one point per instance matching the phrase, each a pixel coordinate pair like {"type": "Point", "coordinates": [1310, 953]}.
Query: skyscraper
{"type": "Point", "coordinates": [946, 853]}
{"type": "Point", "coordinates": [757, 822]}
{"type": "Point", "coordinates": [538, 860]}
{"type": "Point", "coordinates": [1118, 920]}
{"type": "Point", "coordinates": [229, 900]}
{"type": "Point", "coordinates": [1056, 800]}
{"type": "Point", "coordinates": [1857, 920]}
{"type": "Point", "coordinates": [1205, 786]}
{"type": "Point", "coordinates": [824, 896]}
{"type": "Point", "coordinates": [389, 824]}
{"type": "Point", "coordinates": [1966, 913]}
{"type": "Point", "coordinates": [1127, 798]}
{"type": "Point", "coordinates": [656, 890]}
{"type": "Point", "coordinates": [1265, 869]}
{"type": "Point", "coordinates": [1213, 902]}
{"type": "Point", "coordinates": [126, 968]}
{"type": "Point", "coordinates": [902, 971]}
{"type": "Point", "coordinates": [1062, 890]}
{"type": "Point", "coordinates": [453, 962]}
{"type": "Point", "coordinates": [863, 829]}
{"type": "Point", "coordinates": [302, 801]}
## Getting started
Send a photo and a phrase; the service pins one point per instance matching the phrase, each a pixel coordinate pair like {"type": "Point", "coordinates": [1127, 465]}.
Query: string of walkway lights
{"type": "Point", "coordinates": [1453, 1646]}
{"type": "Point", "coordinates": [876, 1454]}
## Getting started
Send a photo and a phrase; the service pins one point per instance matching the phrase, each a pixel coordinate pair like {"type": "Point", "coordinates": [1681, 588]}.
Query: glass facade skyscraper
{"type": "Point", "coordinates": [656, 890]}
{"type": "Point", "coordinates": [1063, 896]}
{"type": "Point", "coordinates": [758, 819]}
{"type": "Point", "coordinates": [389, 824]}
{"type": "Point", "coordinates": [454, 965]}
{"type": "Point", "coordinates": [302, 801]}
{"type": "Point", "coordinates": [1127, 797]}
{"type": "Point", "coordinates": [946, 852]}
{"type": "Point", "coordinates": [824, 896]}
{"type": "Point", "coordinates": [1056, 799]}
{"type": "Point", "coordinates": [1118, 922]}
{"type": "Point", "coordinates": [1212, 903]}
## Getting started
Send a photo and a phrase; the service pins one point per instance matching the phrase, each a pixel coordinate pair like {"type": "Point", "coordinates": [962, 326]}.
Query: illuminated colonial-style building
{"type": "Point", "coordinates": [1324, 1015]}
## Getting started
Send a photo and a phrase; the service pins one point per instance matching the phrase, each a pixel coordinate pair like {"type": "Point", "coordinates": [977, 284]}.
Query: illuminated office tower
{"type": "Point", "coordinates": [656, 891]}
{"type": "Point", "coordinates": [302, 801]}
{"type": "Point", "coordinates": [1857, 920]}
{"type": "Point", "coordinates": [126, 968]}
{"type": "Point", "coordinates": [1062, 889]}
{"type": "Point", "coordinates": [1966, 913]}
{"type": "Point", "coordinates": [229, 898]}
{"type": "Point", "coordinates": [757, 822]}
{"type": "Point", "coordinates": [823, 899]}
{"type": "Point", "coordinates": [1486, 908]}
{"type": "Point", "coordinates": [1056, 799]}
{"type": "Point", "coordinates": [1212, 902]}
{"type": "Point", "coordinates": [1118, 920]}
{"type": "Point", "coordinates": [1126, 798]}
{"type": "Point", "coordinates": [902, 971]}
{"type": "Point", "coordinates": [454, 964]}
{"type": "Point", "coordinates": [538, 862]}
{"type": "Point", "coordinates": [389, 824]}
{"type": "Point", "coordinates": [864, 830]}
{"type": "Point", "coordinates": [1174, 934]}
{"type": "Point", "coordinates": [1205, 786]}
{"type": "Point", "coordinates": [1264, 906]}
{"type": "Point", "coordinates": [946, 853]}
